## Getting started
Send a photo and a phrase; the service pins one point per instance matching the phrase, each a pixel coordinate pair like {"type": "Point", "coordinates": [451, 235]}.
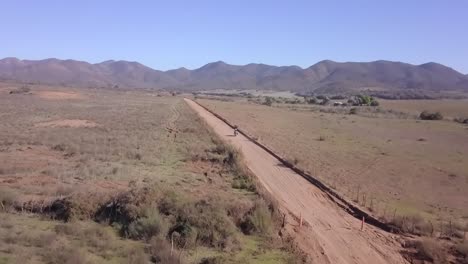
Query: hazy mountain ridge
{"type": "Point", "coordinates": [325, 76]}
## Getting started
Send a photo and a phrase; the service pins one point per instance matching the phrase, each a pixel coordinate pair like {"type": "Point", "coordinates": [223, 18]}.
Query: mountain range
{"type": "Point", "coordinates": [323, 77]}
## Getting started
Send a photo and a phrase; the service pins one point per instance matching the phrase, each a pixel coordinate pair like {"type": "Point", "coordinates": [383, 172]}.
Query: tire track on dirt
{"type": "Point", "coordinates": [171, 124]}
{"type": "Point", "coordinates": [331, 235]}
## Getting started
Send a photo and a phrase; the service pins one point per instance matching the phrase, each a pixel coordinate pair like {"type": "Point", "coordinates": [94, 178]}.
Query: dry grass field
{"type": "Point", "coordinates": [394, 166]}
{"type": "Point", "coordinates": [450, 109]}
{"type": "Point", "coordinates": [123, 174]}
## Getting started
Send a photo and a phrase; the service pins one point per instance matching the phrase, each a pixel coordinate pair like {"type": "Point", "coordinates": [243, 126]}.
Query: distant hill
{"type": "Point", "coordinates": [323, 77]}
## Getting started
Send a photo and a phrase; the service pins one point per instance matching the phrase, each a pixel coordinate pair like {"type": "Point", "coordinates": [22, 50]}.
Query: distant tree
{"type": "Point", "coordinates": [364, 99]}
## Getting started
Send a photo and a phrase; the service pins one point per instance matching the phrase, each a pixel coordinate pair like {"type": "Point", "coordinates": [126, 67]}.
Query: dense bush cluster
{"type": "Point", "coordinates": [360, 100]}
{"type": "Point", "coordinates": [426, 115]}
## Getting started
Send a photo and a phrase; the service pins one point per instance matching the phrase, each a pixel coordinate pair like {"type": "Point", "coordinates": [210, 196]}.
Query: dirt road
{"type": "Point", "coordinates": [331, 235]}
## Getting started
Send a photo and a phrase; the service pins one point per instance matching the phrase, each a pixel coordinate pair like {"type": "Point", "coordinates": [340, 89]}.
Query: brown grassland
{"type": "Point", "coordinates": [98, 176]}
{"type": "Point", "coordinates": [390, 162]}
{"type": "Point", "coordinates": [449, 108]}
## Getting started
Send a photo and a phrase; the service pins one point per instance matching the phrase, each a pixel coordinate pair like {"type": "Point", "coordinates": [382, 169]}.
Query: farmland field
{"type": "Point", "coordinates": [98, 176]}
{"type": "Point", "coordinates": [394, 166]}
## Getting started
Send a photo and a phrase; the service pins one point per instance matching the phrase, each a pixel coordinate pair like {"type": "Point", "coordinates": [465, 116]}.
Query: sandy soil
{"type": "Point", "coordinates": [331, 235]}
{"type": "Point", "coordinates": [55, 95]}
{"type": "Point", "coordinates": [20, 173]}
{"type": "Point", "coordinates": [74, 123]}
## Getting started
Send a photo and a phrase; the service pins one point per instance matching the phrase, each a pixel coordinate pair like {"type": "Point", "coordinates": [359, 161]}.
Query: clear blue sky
{"type": "Point", "coordinates": [172, 34]}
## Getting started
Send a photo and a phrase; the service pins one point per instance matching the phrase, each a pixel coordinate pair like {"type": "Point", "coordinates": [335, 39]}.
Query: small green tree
{"type": "Point", "coordinates": [364, 99]}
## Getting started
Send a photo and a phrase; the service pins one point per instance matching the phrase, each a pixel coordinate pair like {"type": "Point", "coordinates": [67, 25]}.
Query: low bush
{"type": "Point", "coordinates": [461, 120]}
{"type": "Point", "coordinates": [149, 225]}
{"type": "Point", "coordinates": [213, 260]}
{"type": "Point", "coordinates": [205, 221]}
{"type": "Point", "coordinates": [243, 184]}
{"type": "Point", "coordinates": [462, 249]}
{"type": "Point", "coordinates": [414, 224]}
{"type": "Point", "coordinates": [259, 220]}
{"type": "Point", "coordinates": [268, 101]}
{"type": "Point", "coordinates": [160, 252]}
{"type": "Point", "coordinates": [7, 198]}
{"type": "Point", "coordinates": [136, 255]}
{"type": "Point", "coordinates": [430, 249]}
{"type": "Point", "coordinates": [78, 206]}
{"type": "Point", "coordinates": [426, 115]}
{"type": "Point", "coordinates": [22, 90]}
{"type": "Point", "coordinates": [311, 100]}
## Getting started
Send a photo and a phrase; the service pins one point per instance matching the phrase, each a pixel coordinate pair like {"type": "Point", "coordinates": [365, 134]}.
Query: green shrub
{"type": "Point", "coordinates": [204, 222]}
{"type": "Point", "coordinates": [426, 115]}
{"type": "Point", "coordinates": [150, 225]}
{"type": "Point", "coordinates": [213, 227]}
{"type": "Point", "coordinates": [259, 220]}
{"type": "Point", "coordinates": [352, 111]}
{"type": "Point", "coordinates": [243, 184]}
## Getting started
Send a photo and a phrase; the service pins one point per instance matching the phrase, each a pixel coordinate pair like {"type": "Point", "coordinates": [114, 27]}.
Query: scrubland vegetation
{"type": "Point", "coordinates": [94, 176]}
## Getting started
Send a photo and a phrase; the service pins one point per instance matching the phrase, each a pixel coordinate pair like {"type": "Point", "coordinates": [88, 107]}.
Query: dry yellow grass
{"type": "Point", "coordinates": [88, 145]}
{"type": "Point", "coordinates": [407, 165]}
{"type": "Point", "coordinates": [449, 108]}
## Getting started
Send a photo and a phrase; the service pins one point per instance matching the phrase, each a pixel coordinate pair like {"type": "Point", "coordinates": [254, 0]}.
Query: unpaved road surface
{"type": "Point", "coordinates": [330, 235]}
